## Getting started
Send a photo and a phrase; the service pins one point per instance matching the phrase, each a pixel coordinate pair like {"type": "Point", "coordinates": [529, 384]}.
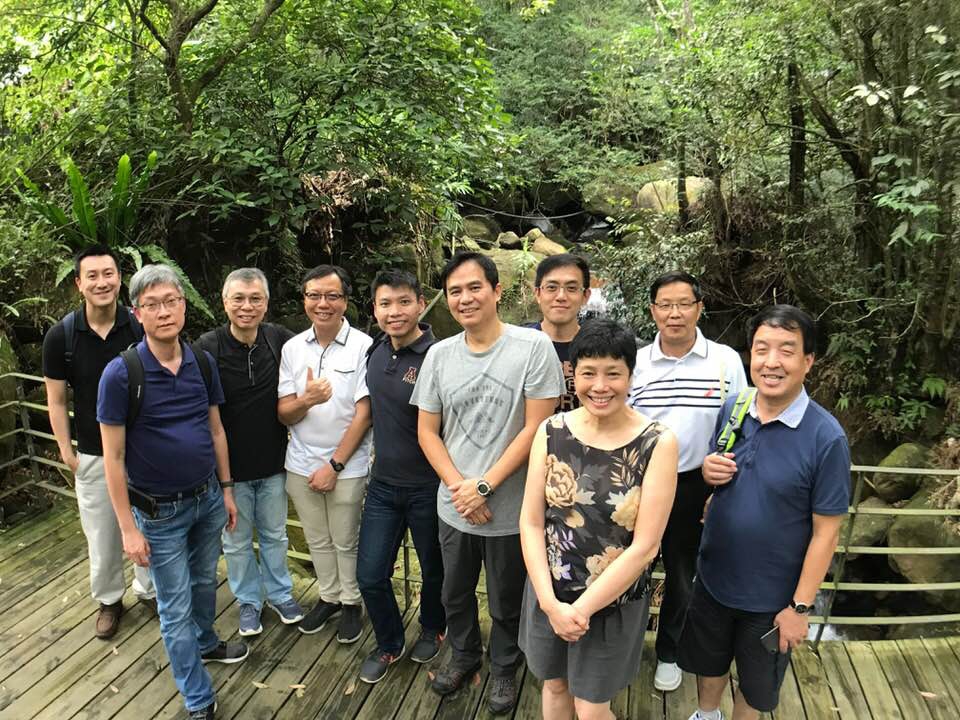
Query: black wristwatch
{"type": "Point", "coordinates": [801, 608]}
{"type": "Point", "coordinates": [338, 467]}
{"type": "Point", "coordinates": [483, 488]}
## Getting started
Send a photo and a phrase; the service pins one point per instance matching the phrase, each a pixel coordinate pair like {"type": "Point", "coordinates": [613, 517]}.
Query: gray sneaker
{"type": "Point", "coordinates": [249, 620]}
{"type": "Point", "coordinates": [289, 611]}
{"type": "Point", "coordinates": [317, 618]}
{"type": "Point", "coordinates": [427, 646]}
{"type": "Point", "coordinates": [351, 624]}
{"type": "Point", "coordinates": [226, 652]}
{"type": "Point", "coordinates": [503, 694]}
{"type": "Point", "coordinates": [374, 668]}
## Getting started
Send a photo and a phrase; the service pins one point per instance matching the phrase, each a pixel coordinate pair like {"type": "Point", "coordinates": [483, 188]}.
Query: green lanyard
{"type": "Point", "coordinates": [728, 436]}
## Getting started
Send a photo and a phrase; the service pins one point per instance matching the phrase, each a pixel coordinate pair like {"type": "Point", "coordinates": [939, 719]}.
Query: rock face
{"type": "Point", "coordinates": [616, 195]}
{"type": "Point", "coordinates": [439, 317]}
{"type": "Point", "coordinates": [868, 529]}
{"type": "Point", "coordinates": [892, 487]}
{"type": "Point", "coordinates": [926, 531]}
{"type": "Point", "coordinates": [8, 392]}
{"type": "Point", "coordinates": [482, 228]}
{"type": "Point", "coordinates": [517, 270]}
{"type": "Point", "coordinates": [509, 241]}
{"type": "Point", "coordinates": [540, 243]}
{"type": "Point", "coordinates": [661, 195]}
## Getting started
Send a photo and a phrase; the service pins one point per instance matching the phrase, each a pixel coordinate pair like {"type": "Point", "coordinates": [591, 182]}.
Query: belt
{"type": "Point", "coordinates": [176, 497]}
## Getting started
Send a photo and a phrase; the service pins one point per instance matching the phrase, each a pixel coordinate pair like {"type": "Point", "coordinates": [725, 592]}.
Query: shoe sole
{"type": "Point", "coordinates": [668, 688]}
{"type": "Point", "coordinates": [285, 620]}
{"type": "Point", "coordinates": [347, 641]}
{"type": "Point", "coordinates": [423, 661]}
{"type": "Point", "coordinates": [225, 661]}
{"type": "Point", "coordinates": [501, 711]}
{"type": "Point", "coordinates": [250, 633]}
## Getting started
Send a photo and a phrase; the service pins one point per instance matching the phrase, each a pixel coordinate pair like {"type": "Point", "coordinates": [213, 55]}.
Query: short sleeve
{"type": "Point", "coordinates": [426, 391]}
{"type": "Point", "coordinates": [544, 378]}
{"type": "Point", "coordinates": [287, 384]}
{"type": "Point", "coordinates": [215, 391]}
{"type": "Point", "coordinates": [113, 397]}
{"type": "Point", "coordinates": [54, 349]}
{"type": "Point", "coordinates": [736, 377]}
{"type": "Point", "coordinates": [361, 390]}
{"type": "Point", "coordinates": [831, 485]}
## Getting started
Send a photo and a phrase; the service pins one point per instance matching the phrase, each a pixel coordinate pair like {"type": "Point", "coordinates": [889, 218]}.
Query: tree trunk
{"type": "Point", "coordinates": [683, 205]}
{"type": "Point", "coordinates": [798, 155]}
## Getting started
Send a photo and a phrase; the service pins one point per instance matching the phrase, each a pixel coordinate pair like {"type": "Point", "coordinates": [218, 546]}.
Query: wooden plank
{"type": "Point", "coordinates": [901, 680]}
{"type": "Point", "coordinates": [812, 683]}
{"type": "Point", "coordinates": [41, 573]}
{"type": "Point", "coordinates": [26, 531]}
{"type": "Point", "coordinates": [879, 696]}
{"type": "Point", "coordinates": [38, 683]}
{"type": "Point", "coordinates": [421, 701]}
{"type": "Point", "coordinates": [947, 664]}
{"type": "Point", "coordinates": [790, 705]}
{"type": "Point", "coordinates": [680, 703]}
{"type": "Point", "coordinates": [65, 543]}
{"type": "Point", "coordinates": [644, 702]}
{"type": "Point", "coordinates": [929, 680]}
{"type": "Point", "coordinates": [530, 700]}
{"type": "Point", "coordinates": [466, 702]}
{"type": "Point", "coordinates": [523, 677]}
{"type": "Point", "coordinates": [36, 543]}
{"type": "Point", "coordinates": [842, 678]}
{"type": "Point", "coordinates": [112, 673]}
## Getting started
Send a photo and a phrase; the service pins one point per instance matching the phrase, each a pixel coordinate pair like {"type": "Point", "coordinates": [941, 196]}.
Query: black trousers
{"type": "Point", "coordinates": [463, 556]}
{"type": "Point", "coordinates": [681, 541]}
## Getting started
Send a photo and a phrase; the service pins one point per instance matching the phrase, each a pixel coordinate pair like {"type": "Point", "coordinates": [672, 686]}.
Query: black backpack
{"type": "Point", "coordinates": [70, 337]}
{"type": "Point", "coordinates": [135, 378]}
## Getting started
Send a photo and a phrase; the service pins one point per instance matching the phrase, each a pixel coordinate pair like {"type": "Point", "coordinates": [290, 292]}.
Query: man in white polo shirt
{"type": "Point", "coordinates": [682, 379]}
{"type": "Point", "coordinates": [323, 399]}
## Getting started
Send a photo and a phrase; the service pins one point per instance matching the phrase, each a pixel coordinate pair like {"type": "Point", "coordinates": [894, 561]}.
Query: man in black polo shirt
{"type": "Point", "coordinates": [403, 487]}
{"type": "Point", "coordinates": [101, 329]}
{"type": "Point", "coordinates": [247, 351]}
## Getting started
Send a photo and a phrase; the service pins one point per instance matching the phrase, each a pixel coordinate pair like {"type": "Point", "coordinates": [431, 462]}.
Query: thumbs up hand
{"type": "Point", "coordinates": [317, 390]}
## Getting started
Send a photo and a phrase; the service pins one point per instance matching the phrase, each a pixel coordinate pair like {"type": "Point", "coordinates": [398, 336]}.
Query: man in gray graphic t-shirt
{"type": "Point", "coordinates": [481, 395]}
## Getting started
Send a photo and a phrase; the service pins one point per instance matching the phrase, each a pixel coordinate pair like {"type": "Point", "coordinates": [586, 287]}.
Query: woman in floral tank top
{"type": "Point", "coordinates": [599, 489]}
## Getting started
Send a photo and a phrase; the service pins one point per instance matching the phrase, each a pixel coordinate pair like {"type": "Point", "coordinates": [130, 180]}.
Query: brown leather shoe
{"type": "Point", "coordinates": [108, 620]}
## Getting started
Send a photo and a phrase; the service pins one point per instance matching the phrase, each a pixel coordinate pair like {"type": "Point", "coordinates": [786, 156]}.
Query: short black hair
{"type": "Point", "coordinates": [603, 338]}
{"type": "Point", "coordinates": [787, 317]}
{"type": "Point", "coordinates": [93, 251]}
{"type": "Point", "coordinates": [553, 262]}
{"type": "Point", "coordinates": [488, 266]}
{"type": "Point", "coordinates": [395, 279]}
{"type": "Point", "coordinates": [676, 276]}
{"type": "Point", "coordinates": [321, 271]}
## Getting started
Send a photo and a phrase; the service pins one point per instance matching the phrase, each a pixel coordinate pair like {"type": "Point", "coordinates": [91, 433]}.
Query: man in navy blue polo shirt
{"type": "Point", "coordinates": [403, 485]}
{"type": "Point", "coordinates": [771, 527]}
{"type": "Point", "coordinates": [172, 452]}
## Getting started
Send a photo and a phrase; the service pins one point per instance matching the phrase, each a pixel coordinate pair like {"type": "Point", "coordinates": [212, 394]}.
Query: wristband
{"type": "Point", "coordinates": [227, 484]}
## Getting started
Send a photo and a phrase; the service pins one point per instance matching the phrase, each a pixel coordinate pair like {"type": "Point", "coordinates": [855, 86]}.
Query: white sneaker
{"type": "Point", "coordinates": [698, 716]}
{"type": "Point", "coordinates": [668, 677]}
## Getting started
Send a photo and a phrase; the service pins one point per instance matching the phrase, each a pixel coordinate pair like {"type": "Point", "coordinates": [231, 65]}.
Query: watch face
{"type": "Point", "coordinates": [483, 488]}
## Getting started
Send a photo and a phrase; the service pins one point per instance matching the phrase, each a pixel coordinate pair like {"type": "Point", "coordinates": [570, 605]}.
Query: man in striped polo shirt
{"type": "Point", "coordinates": [682, 379]}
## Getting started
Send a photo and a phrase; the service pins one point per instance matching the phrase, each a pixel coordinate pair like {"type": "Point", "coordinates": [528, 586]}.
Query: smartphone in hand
{"type": "Point", "coordinates": [771, 640]}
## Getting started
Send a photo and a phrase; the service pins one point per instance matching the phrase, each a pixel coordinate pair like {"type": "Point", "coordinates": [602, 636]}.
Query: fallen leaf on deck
{"type": "Point", "coordinates": [350, 688]}
{"type": "Point", "coordinates": [259, 685]}
{"type": "Point", "coordinates": [431, 674]}
{"type": "Point", "coordinates": [114, 689]}
{"type": "Point", "coordinates": [115, 651]}
{"type": "Point", "coordinates": [476, 680]}
{"type": "Point", "coordinates": [928, 695]}
{"type": "Point", "coordinates": [297, 687]}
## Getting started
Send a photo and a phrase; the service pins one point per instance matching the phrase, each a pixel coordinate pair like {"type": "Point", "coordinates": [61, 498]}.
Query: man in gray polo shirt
{"type": "Point", "coordinates": [681, 379]}
{"type": "Point", "coordinates": [481, 396]}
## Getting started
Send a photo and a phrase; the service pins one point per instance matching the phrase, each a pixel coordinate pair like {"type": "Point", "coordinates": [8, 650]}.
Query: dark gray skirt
{"type": "Point", "coordinates": [601, 663]}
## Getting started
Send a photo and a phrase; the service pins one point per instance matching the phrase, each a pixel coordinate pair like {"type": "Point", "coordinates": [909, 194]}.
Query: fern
{"type": "Point", "coordinates": [82, 207]}
{"type": "Point", "coordinates": [158, 255]}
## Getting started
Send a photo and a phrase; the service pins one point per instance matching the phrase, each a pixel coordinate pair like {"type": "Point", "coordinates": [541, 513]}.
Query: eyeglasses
{"type": "Point", "coordinates": [554, 288]}
{"type": "Point", "coordinates": [168, 304]}
{"type": "Point", "coordinates": [684, 307]}
{"type": "Point", "coordinates": [330, 297]}
{"type": "Point", "coordinates": [238, 301]}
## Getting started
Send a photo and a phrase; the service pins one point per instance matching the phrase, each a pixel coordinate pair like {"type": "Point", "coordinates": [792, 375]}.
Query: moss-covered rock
{"type": "Point", "coordinates": [509, 241]}
{"type": "Point", "coordinates": [892, 487]}
{"type": "Point", "coordinates": [540, 243]}
{"type": "Point", "coordinates": [482, 228]}
{"type": "Point", "coordinates": [868, 529]}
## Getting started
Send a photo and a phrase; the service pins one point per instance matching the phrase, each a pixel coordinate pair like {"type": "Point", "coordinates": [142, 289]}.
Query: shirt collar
{"type": "Point", "coordinates": [342, 334]}
{"type": "Point", "coordinates": [150, 362]}
{"type": "Point", "coordinates": [699, 348]}
{"type": "Point", "coordinates": [422, 343]}
{"type": "Point", "coordinates": [122, 318]}
{"type": "Point", "coordinates": [792, 415]}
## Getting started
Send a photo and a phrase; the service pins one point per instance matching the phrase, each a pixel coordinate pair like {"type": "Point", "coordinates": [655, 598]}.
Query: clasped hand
{"type": "Point", "coordinates": [567, 621]}
{"type": "Point", "coordinates": [471, 505]}
{"type": "Point", "coordinates": [323, 479]}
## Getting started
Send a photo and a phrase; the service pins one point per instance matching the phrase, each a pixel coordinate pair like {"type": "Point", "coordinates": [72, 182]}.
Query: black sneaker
{"type": "Point", "coordinates": [376, 664]}
{"type": "Point", "coordinates": [206, 713]}
{"type": "Point", "coordinates": [427, 646]}
{"type": "Point", "coordinates": [351, 624]}
{"type": "Point", "coordinates": [449, 679]}
{"type": "Point", "coordinates": [317, 618]}
{"type": "Point", "coordinates": [227, 653]}
{"type": "Point", "coordinates": [503, 693]}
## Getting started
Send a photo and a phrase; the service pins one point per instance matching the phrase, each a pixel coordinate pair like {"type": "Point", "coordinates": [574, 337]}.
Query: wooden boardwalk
{"type": "Point", "coordinates": [52, 668]}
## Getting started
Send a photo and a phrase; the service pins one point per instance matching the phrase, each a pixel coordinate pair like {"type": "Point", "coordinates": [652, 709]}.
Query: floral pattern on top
{"type": "Point", "coordinates": [592, 497]}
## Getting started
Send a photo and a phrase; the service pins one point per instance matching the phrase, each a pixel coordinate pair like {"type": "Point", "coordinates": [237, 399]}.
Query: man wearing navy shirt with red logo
{"type": "Point", "coordinates": [403, 485]}
{"type": "Point", "coordinates": [772, 526]}
{"type": "Point", "coordinates": [171, 448]}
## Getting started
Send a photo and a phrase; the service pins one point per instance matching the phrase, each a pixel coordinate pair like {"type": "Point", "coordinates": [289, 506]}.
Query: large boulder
{"type": "Point", "coordinates": [540, 243]}
{"type": "Point", "coordinates": [413, 256]}
{"type": "Point", "coordinates": [517, 273]}
{"type": "Point", "coordinates": [509, 241]}
{"type": "Point", "coordinates": [615, 193]}
{"type": "Point", "coordinates": [8, 393]}
{"type": "Point", "coordinates": [439, 317]}
{"type": "Point", "coordinates": [661, 195]}
{"type": "Point", "coordinates": [869, 529]}
{"type": "Point", "coordinates": [892, 487]}
{"type": "Point", "coordinates": [482, 228]}
{"type": "Point", "coordinates": [926, 531]}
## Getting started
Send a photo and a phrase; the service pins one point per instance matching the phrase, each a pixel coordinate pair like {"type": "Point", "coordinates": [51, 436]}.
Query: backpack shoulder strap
{"type": "Point", "coordinates": [728, 436]}
{"type": "Point", "coordinates": [204, 362]}
{"type": "Point", "coordinates": [135, 383]}
{"type": "Point", "coordinates": [272, 336]}
{"type": "Point", "coordinates": [69, 340]}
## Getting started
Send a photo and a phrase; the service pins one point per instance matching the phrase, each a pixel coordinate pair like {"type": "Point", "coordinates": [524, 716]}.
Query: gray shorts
{"type": "Point", "coordinates": [601, 663]}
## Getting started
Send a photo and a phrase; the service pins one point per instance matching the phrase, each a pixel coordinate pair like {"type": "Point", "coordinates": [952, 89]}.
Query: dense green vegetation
{"type": "Point", "coordinates": [815, 142]}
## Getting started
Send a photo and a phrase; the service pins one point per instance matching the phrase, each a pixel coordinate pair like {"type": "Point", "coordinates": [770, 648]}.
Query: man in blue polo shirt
{"type": "Point", "coordinates": [172, 451]}
{"type": "Point", "coordinates": [403, 485]}
{"type": "Point", "coordinates": [772, 526]}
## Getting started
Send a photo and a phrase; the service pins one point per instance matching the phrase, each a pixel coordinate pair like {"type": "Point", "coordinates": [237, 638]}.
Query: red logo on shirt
{"type": "Point", "coordinates": [410, 376]}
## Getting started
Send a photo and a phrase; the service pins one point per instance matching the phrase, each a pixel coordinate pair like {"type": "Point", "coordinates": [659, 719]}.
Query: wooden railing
{"type": "Point", "coordinates": [24, 431]}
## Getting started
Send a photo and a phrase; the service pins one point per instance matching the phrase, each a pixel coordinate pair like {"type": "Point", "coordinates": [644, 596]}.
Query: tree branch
{"type": "Point", "coordinates": [848, 150]}
{"type": "Point", "coordinates": [148, 24]}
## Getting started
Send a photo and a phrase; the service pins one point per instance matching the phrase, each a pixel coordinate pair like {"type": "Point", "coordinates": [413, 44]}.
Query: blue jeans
{"type": "Point", "coordinates": [184, 541]}
{"type": "Point", "coordinates": [387, 513]}
{"type": "Point", "coordinates": [261, 504]}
